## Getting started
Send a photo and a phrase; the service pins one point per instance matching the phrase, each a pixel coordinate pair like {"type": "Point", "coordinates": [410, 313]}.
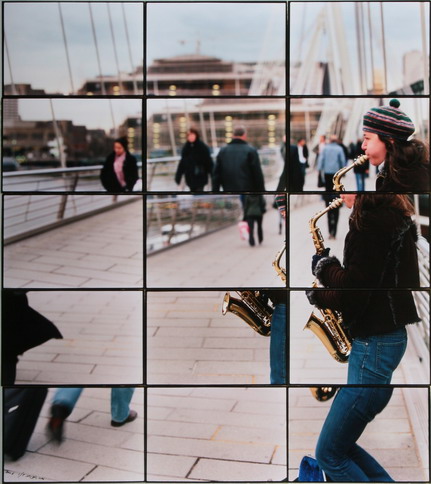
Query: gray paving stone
{"type": "Point", "coordinates": [44, 279]}
{"type": "Point", "coordinates": [227, 418]}
{"type": "Point", "coordinates": [57, 367]}
{"type": "Point", "coordinates": [169, 465]}
{"type": "Point", "coordinates": [276, 436]}
{"type": "Point", "coordinates": [216, 450]}
{"type": "Point", "coordinates": [172, 342]}
{"type": "Point", "coordinates": [132, 360]}
{"type": "Point", "coordinates": [268, 408]}
{"type": "Point", "coordinates": [190, 332]}
{"type": "Point", "coordinates": [46, 467]}
{"type": "Point", "coordinates": [237, 343]}
{"type": "Point", "coordinates": [195, 379]}
{"type": "Point", "coordinates": [191, 403]}
{"type": "Point", "coordinates": [134, 442]}
{"type": "Point", "coordinates": [217, 470]}
{"type": "Point", "coordinates": [178, 429]}
{"type": "Point", "coordinates": [97, 454]}
{"type": "Point", "coordinates": [232, 368]}
{"type": "Point", "coordinates": [280, 455]}
{"type": "Point", "coordinates": [107, 474]}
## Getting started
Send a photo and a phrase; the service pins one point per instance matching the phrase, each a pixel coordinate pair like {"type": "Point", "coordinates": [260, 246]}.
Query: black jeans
{"type": "Point", "coordinates": [251, 220]}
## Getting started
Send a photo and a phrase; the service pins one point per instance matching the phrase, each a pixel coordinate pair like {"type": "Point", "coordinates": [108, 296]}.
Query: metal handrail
{"type": "Point", "coordinates": [28, 215]}
{"type": "Point", "coordinates": [55, 179]}
{"type": "Point", "coordinates": [175, 220]}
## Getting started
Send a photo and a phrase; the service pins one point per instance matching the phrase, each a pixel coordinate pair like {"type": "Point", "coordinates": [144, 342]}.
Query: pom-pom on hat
{"type": "Point", "coordinates": [389, 121]}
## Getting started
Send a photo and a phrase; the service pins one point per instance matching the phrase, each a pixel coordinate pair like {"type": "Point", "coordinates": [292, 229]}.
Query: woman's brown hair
{"type": "Point", "coordinates": [367, 202]}
{"type": "Point", "coordinates": [403, 156]}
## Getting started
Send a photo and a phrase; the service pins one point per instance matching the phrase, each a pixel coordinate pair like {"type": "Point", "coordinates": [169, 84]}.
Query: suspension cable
{"type": "Point", "coordinates": [66, 47]}
{"type": "Point", "coordinates": [97, 50]}
{"type": "Point", "coordinates": [135, 86]}
{"type": "Point", "coordinates": [14, 91]}
{"type": "Point", "coordinates": [115, 48]}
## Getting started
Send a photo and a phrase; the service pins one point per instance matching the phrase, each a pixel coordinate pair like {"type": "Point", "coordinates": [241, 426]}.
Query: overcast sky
{"type": "Point", "coordinates": [402, 25]}
{"type": "Point", "coordinates": [93, 113]}
{"type": "Point", "coordinates": [231, 31]}
{"type": "Point", "coordinates": [37, 52]}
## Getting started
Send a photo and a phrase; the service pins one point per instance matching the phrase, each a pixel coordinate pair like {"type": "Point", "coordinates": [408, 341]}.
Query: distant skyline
{"type": "Point", "coordinates": [37, 52]}
{"type": "Point", "coordinates": [92, 113]}
{"type": "Point", "coordinates": [231, 31]}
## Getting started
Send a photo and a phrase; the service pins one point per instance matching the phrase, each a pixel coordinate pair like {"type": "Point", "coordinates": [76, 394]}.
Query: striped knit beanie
{"type": "Point", "coordinates": [389, 121]}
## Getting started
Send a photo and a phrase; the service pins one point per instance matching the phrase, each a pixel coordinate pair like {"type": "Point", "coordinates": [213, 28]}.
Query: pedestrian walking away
{"type": "Point", "coordinates": [237, 167]}
{"type": "Point", "coordinates": [254, 209]}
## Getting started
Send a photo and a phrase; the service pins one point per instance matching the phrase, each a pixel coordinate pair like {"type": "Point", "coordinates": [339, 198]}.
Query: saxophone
{"type": "Point", "coordinates": [252, 307]}
{"type": "Point", "coordinates": [338, 186]}
{"type": "Point", "coordinates": [281, 271]}
{"type": "Point", "coordinates": [329, 328]}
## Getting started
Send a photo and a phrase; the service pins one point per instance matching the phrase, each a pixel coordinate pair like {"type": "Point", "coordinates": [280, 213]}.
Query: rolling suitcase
{"type": "Point", "coordinates": [21, 410]}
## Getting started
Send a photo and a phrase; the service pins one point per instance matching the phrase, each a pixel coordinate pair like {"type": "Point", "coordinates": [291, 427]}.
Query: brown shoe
{"type": "Point", "coordinates": [132, 416]}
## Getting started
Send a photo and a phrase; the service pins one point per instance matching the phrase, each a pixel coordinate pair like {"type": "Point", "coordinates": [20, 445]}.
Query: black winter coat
{"type": "Point", "coordinates": [23, 328]}
{"type": "Point", "coordinates": [415, 179]}
{"type": "Point", "coordinates": [195, 164]}
{"type": "Point", "coordinates": [296, 177]}
{"type": "Point", "coordinates": [254, 205]}
{"type": "Point", "coordinates": [109, 178]}
{"type": "Point", "coordinates": [380, 259]}
{"type": "Point", "coordinates": [238, 168]}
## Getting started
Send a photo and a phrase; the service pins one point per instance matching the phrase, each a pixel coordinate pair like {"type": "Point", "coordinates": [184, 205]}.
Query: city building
{"type": "Point", "coordinates": [124, 84]}
{"type": "Point", "coordinates": [200, 75]}
{"type": "Point", "coordinates": [264, 119]}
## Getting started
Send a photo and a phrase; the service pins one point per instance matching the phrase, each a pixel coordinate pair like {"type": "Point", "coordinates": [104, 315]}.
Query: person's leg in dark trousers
{"type": "Point", "coordinates": [333, 221]}
{"type": "Point", "coordinates": [250, 220]}
{"type": "Point", "coordinates": [259, 229]}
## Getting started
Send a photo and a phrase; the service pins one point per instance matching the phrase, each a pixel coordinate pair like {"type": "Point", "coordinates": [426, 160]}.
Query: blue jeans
{"type": "Point", "coordinates": [372, 361]}
{"type": "Point", "coordinates": [337, 452]}
{"type": "Point", "coordinates": [277, 347]}
{"type": "Point", "coordinates": [120, 400]}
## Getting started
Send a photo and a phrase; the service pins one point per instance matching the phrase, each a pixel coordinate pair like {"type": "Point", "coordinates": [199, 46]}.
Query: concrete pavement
{"type": "Point", "coordinates": [104, 250]}
{"type": "Point", "coordinates": [190, 342]}
{"type": "Point", "coordinates": [220, 260]}
{"type": "Point", "coordinates": [92, 450]}
{"type": "Point", "coordinates": [216, 434]}
{"type": "Point", "coordinates": [102, 339]}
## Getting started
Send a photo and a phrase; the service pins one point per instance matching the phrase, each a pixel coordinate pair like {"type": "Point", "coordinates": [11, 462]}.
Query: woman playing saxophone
{"type": "Point", "coordinates": [380, 258]}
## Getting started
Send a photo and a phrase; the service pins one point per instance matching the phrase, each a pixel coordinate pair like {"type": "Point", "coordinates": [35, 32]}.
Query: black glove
{"type": "Point", "coordinates": [315, 259]}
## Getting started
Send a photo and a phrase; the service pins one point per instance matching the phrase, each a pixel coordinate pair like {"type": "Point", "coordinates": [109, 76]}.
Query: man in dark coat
{"type": "Point", "coordinates": [238, 166]}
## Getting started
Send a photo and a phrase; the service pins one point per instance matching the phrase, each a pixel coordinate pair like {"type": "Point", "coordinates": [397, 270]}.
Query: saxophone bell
{"type": "Point", "coordinates": [252, 308]}
{"type": "Point", "coordinates": [331, 334]}
{"type": "Point", "coordinates": [329, 329]}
